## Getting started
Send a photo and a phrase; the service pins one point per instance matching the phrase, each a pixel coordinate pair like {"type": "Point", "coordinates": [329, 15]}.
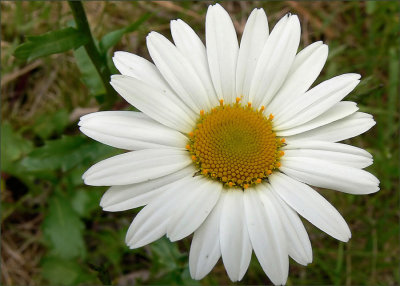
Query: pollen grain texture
{"type": "Point", "coordinates": [235, 145]}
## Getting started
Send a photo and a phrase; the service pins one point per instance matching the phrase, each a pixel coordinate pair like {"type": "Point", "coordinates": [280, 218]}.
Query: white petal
{"type": "Point", "coordinates": [275, 60]}
{"type": "Point", "coordinates": [156, 103]}
{"type": "Point", "coordinates": [334, 156]}
{"type": "Point", "coordinates": [330, 175]}
{"type": "Point", "coordinates": [316, 101]}
{"type": "Point", "coordinates": [222, 52]}
{"type": "Point", "coordinates": [311, 205]}
{"type": "Point", "coordinates": [138, 115]}
{"type": "Point", "coordinates": [266, 233]}
{"type": "Point", "coordinates": [234, 237]}
{"type": "Point", "coordinates": [151, 222]}
{"type": "Point", "coordinates": [134, 66]}
{"type": "Point", "coordinates": [178, 72]}
{"type": "Point", "coordinates": [328, 146]}
{"type": "Point", "coordinates": [120, 198]}
{"type": "Point", "coordinates": [338, 111]}
{"type": "Point", "coordinates": [339, 130]}
{"type": "Point", "coordinates": [127, 130]}
{"type": "Point", "coordinates": [193, 208]}
{"type": "Point", "coordinates": [205, 249]}
{"type": "Point", "coordinates": [136, 167]}
{"type": "Point", "coordinates": [299, 245]}
{"type": "Point", "coordinates": [254, 36]}
{"type": "Point", "coordinates": [305, 69]}
{"type": "Point", "coordinates": [190, 45]}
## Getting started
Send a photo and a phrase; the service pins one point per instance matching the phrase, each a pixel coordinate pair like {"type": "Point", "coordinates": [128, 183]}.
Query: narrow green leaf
{"type": "Point", "coordinates": [63, 229]}
{"type": "Point", "coordinates": [50, 43]}
{"type": "Point", "coordinates": [89, 75]}
{"type": "Point", "coordinates": [64, 153]}
{"type": "Point", "coordinates": [114, 37]}
{"type": "Point", "coordinates": [392, 93]}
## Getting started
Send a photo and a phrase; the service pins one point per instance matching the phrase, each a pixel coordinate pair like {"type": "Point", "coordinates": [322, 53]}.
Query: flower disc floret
{"type": "Point", "coordinates": [235, 145]}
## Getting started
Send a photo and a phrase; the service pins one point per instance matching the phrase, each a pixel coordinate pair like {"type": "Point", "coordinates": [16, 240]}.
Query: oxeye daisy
{"type": "Point", "coordinates": [228, 143]}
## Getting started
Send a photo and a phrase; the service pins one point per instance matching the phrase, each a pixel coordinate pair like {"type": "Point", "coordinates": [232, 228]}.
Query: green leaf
{"type": "Point", "coordinates": [65, 154]}
{"type": "Point", "coordinates": [50, 43]}
{"type": "Point", "coordinates": [370, 7]}
{"type": "Point", "coordinates": [84, 201]}
{"type": "Point", "coordinates": [114, 37]}
{"type": "Point", "coordinates": [89, 75]}
{"type": "Point", "coordinates": [13, 146]}
{"type": "Point", "coordinates": [50, 124]}
{"type": "Point", "coordinates": [169, 265]}
{"type": "Point", "coordinates": [103, 273]}
{"type": "Point", "coordinates": [112, 245]}
{"type": "Point", "coordinates": [72, 179]}
{"type": "Point", "coordinates": [187, 278]}
{"type": "Point", "coordinates": [65, 272]}
{"type": "Point", "coordinates": [63, 229]}
{"type": "Point", "coordinates": [166, 254]}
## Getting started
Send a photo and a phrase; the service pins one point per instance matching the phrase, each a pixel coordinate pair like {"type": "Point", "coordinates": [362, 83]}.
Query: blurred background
{"type": "Point", "coordinates": [52, 228]}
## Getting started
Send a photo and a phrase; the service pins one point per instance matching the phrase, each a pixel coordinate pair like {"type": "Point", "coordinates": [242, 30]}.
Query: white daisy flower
{"type": "Point", "coordinates": [228, 141]}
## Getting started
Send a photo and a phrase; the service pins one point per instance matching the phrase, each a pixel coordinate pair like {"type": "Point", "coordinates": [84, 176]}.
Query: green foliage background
{"type": "Point", "coordinates": [54, 232]}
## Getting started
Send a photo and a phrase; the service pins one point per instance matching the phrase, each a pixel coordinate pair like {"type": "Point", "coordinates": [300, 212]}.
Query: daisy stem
{"type": "Point", "coordinates": [90, 47]}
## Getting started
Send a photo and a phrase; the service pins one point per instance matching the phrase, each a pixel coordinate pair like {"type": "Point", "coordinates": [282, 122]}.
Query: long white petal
{"type": "Point", "coordinates": [341, 158]}
{"type": "Point", "coordinates": [156, 103]}
{"type": "Point", "coordinates": [234, 237]}
{"type": "Point", "coordinates": [305, 69]}
{"type": "Point", "coordinates": [193, 208]}
{"type": "Point", "coordinates": [120, 198]}
{"type": "Point", "coordinates": [205, 249]}
{"type": "Point", "coordinates": [266, 233]}
{"type": "Point", "coordinates": [316, 101]}
{"type": "Point", "coordinates": [127, 130]}
{"type": "Point", "coordinates": [190, 45]}
{"type": "Point", "coordinates": [299, 245]}
{"type": "Point", "coordinates": [151, 222]}
{"type": "Point", "coordinates": [338, 111]}
{"type": "Point", "coordinates": [178, 72]}
{"type": "Point", "coordinates": [275, 60]}
{"type": "Point", "coordinates": [348, 127]}
{"type": "Point", "coordinates": [330, 175]}
{"type": "Point", "coordinates": [222, 52]}
{"type": "Point", "coordinates": [136, 167]}
{"type": "Point", "coordinates": [134, 66]}
{"type": "Point", "coordinates": [311, 205]}
{"type": "Point", "coordinates": [254, 36]}
{"type": "Point", "coordinates": [328, 146]}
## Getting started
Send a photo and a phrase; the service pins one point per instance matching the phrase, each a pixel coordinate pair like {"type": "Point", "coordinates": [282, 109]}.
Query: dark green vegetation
{"type": "Point", "coordinates": [54, 232]}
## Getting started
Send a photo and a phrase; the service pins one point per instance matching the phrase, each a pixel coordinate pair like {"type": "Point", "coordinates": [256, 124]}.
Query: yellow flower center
{"type": "Point", "coordinates": [235, 145]}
